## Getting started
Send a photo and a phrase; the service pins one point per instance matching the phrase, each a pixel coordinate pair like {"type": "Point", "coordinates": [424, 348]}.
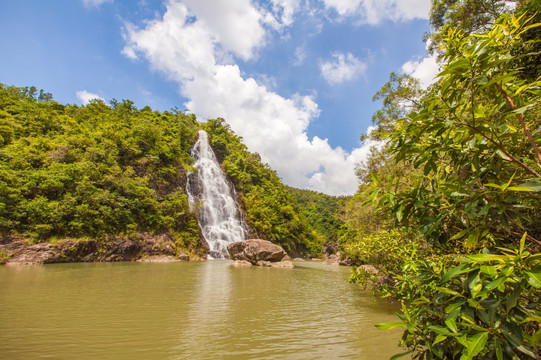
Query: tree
{"type": "Point", "coordinates": [472, 138]}
{"type": "Point", "coordinates": [476, 139]}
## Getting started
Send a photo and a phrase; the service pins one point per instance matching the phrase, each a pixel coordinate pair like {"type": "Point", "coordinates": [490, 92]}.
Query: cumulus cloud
{"type": "Point", "coordinates": [375, 11]}
{"type": "Point", "coordinates": [94, 3]}
{"type": "Point", "coordinates": [425, 69]}
{"type": "Point", "coordinates": [341, 68]}
{"type": "Point", "coordinates": [191, 51]}
{"type": "Point", "coordinates": [85, 96]}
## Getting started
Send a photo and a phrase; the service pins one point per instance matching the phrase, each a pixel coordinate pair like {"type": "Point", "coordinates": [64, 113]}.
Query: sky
{"type": "Point", "coordinates": [294, 78]}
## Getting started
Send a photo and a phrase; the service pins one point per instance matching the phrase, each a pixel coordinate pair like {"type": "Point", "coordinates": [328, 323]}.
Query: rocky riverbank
{"type": "Point", "coordinates": [142, 247]}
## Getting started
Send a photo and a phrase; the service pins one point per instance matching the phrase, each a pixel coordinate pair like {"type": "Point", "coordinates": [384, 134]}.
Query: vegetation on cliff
{"type": "Point", "coordinates": [72, 171]}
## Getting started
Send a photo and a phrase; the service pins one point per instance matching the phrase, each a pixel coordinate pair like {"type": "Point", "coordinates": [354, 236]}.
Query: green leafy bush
{"type": "Point", "coordinates": [390, 249]}
{"type": "Point", "coordinates": [485, 305]}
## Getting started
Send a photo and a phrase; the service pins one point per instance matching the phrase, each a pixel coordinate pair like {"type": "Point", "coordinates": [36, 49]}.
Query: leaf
{"type": "Point", "coordinates": [518, 188]}
{"type": "Point", "coordinates": [390, 325]}
{"type": "Point", "coordinates": [451, 324]}
{"type": "Point", "coordinates": [511, 300]}
{"type": "Point", "coordinates": [439, 339]}
{"type": "Point", "coordinates": [440, 330]}
{"type": "Point", "coordinates": [526, 350]}
{"type": "Point", "coordinates": [498, 348]}
{"type": "Point", "coordinates": [453, 306]}
{"type": "Point", "coordinates": [494, 186]}
{"type": "Point", "coordinates": [504, 187]}
{"type": "Point", "coordinates": [534, 185]}
{"type": "Point", "coordinates": [536, 338]}
{"type": "Point", "coordinates": [475, 344]}
{"type": "Point", "coordinates": [479, 113]}
{"type": "Point", "coordinates": [448, 291]}
{"type": "Point", "coordinates": [534, 278]}
{"type": "Point", "coordinates": [523, 109]}
{"type": "Point", "coordinates": [460, 234]}
{"type": "Point", "coordinates": [522, 243]}
{"type": "Point", "coordinates": [503, 155]}
{"type": "Point", "coordinates": [397, 356]}
{"type": "Point", "coordinates": [489, 270]}
{"type": "Point", "coordinates": [495, 283]}
{"type": "Point", "coordinates": [480, 258]}
{"type": "Point", "coordinates": [455, 271]}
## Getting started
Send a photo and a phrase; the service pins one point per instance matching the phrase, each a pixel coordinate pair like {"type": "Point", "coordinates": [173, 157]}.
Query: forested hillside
{"type": "Point", "coordinates": [69, 171]}
{"type": "Point", "coordinates": [450, 205]}
{"type": "Point", "coordinates": [325, 213]}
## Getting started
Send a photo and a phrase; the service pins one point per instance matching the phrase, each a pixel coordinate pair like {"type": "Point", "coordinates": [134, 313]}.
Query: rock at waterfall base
{"type": "Point", "coordinates": [255, 250]}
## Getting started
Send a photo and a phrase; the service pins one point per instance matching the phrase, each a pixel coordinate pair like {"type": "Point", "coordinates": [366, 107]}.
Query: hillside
{"type": "Point", "coordinates": [81, 172]}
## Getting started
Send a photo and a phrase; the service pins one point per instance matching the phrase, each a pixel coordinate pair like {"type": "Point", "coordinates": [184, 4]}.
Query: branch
{"type": "Point", "coordinates": [499, 146]}
{"type": "Point", "coordinates": [522, 122]}
{"type": "Point", "coordinates": [502, 149]}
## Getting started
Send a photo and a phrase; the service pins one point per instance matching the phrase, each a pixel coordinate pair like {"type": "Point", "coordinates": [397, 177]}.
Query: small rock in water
{"type": "Point", "coordinates": [332, 260]}
{"type": "Point", "coordinates": [184, 257]}
{"type": "Point", "coordinates": [280, 264]}
{"type": "Point", "coordinates": [158, 258]}
{"type": "Point", "coordinates": [241, 263]}
{"type": "Point", "coordinates": [298, 259]}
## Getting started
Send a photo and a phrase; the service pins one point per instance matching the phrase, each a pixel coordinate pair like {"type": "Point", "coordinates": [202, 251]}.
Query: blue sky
{"type": "Point", "coordinates": [294, 78]}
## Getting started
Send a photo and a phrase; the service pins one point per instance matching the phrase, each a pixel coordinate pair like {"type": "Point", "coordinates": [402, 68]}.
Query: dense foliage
{"type": "Point", "coordinates": [325, 213]}
{"type": "Point", "coordinates": [271, 211]}
{"type": "Point", "coordinates": [459, 176]}
{"type": "Point", "coordinates": [71, 171]}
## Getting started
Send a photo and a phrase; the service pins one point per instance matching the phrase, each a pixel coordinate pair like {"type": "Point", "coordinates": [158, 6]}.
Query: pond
{"type": "Point", "coordinates": [205, 310]}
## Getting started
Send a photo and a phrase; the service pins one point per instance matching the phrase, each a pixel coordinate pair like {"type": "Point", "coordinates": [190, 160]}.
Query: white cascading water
{"type": "Point", "coordinates": [219, 214]}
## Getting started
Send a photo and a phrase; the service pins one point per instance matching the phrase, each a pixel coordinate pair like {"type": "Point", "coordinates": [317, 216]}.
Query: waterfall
{"type": "Point", "coordinates": [219, 214]}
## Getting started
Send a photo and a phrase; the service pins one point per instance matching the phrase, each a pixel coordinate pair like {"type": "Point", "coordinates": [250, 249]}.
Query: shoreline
{"type": "Point", "coordinates": [143, 247]}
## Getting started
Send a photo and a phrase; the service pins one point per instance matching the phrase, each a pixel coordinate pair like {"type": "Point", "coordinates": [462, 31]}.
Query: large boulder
{"type": "Point", "coordinates": [255, 250]}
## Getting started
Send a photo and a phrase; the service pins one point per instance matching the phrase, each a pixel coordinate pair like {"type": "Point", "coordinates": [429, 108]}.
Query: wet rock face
{"type": "Point", "coordinates": [255, 250]}
{"type": "Point", "coordinates": [46, 253]}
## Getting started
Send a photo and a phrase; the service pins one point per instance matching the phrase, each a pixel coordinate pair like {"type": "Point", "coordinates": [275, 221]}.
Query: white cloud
{"type": "Point", "coordinates": [235, 25]}
{"type": "Point", "coordinates": [94, 3]}
{"type": "Point", "coordinates": [375, 11]}
{"type": "Point", "coordinates": [188, 49]}
{"type": "Point", "coordinates": [343, 67]}
{"type": "Point", "coordinates": [86, 96]}
{"type": "Point", "coordinates": [425, 69]}
{"type": "Point", "coordinates": [285, 10]}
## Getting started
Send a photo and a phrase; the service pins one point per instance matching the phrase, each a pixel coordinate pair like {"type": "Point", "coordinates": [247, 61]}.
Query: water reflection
{"type": "Point", "coordinates": [206, 310]}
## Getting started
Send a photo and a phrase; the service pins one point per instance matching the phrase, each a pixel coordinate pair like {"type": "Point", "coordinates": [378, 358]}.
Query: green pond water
{"type": "Point", "coordinates": [206, 310]}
